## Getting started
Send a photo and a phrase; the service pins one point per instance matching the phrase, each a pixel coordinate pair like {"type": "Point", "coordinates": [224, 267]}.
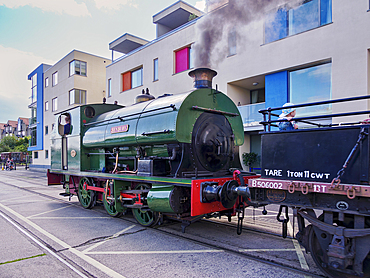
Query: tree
{"type": "Point", "coordinates": [4, 148]}
{"type": "Point", "coordinates": [192, 16]}
{"type": "Point", "coordinates": [249, 159]}
{"type": "Point", "coordinates": [8, 143]}
{"type": "Point", "coordinates": [22, 144]}
{"type": "Point", "coordinates": [14, 144]}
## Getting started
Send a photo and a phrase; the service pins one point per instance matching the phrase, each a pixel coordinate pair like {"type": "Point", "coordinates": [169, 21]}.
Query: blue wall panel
{"type": "Point", "coordinates": [40, 111]}
{"type": "Point", "coordinates": [276, 89]}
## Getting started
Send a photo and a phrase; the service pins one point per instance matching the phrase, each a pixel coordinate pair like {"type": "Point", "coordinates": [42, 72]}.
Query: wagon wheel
{"type": "Point", "coordinates": [318, 253]}
{"type": "Point", "coordinates": [110, 208]}
{"type": "Point", "coordinates": [145, 217]}
{"type": "Point", "coordinates": [86, 197]}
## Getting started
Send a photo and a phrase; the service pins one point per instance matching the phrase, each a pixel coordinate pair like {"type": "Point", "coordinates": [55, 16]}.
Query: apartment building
{"type": "Point", "coordinates": [311, 51]}
{"type": "Point", "coordinates": [78, 78]}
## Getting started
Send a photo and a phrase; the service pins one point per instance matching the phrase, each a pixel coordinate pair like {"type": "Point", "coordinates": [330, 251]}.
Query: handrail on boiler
{"type": "Point", "coordinates": [173, 106]}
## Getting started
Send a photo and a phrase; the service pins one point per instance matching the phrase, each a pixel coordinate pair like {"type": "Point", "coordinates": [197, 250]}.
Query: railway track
{"type": "Point", "coordinates": [173, 228]}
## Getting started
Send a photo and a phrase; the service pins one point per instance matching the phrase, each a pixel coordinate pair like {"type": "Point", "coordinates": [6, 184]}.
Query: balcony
{"type": "Point", "coordinates": [251, 117]}
{"type": "Point", "coordinates": [33, 121]}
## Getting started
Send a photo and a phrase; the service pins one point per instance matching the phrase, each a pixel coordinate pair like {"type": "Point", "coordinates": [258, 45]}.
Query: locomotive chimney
{"type": "Point", "coordinates": [203, 77]}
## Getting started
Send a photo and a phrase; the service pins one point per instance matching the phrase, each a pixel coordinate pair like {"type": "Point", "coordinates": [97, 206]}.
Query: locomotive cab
{"type": "Point", "coordinates": [67, 151]}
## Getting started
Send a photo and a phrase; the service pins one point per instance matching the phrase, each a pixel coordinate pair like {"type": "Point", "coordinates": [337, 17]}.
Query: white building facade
{"type": "Point", "coordinates": [314, 51]}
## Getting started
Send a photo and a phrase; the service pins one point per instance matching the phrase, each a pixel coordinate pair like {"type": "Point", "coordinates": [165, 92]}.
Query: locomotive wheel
{"type": "Point", "coordinates": [86, 197]}
{"type": "Point", "coordinates": [145, 217]}
{"type": "Point", "coordinates": [110, 208]}
{"type": "Point", "coordinates": [318, 253]}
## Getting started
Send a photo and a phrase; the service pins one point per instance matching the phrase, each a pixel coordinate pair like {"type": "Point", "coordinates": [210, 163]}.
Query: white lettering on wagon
{"type": "Point", "coordinates": [267, 184]}
{"type": "Point", "coordinates": [275, 173]}
{"type": "Point", "coordinates": [307, 174]}
{"type": "Point", "coordinates": [297, 174]}
{"type": "Point", "coordinates": [319, 188]}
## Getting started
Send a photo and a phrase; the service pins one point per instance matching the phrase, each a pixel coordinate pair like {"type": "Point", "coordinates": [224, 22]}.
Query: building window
{"type": "Point", "coordinates": [36, 155]}
{"type": "Point", "coordinates": [286, 22]}
{"type": "Point", "coordinates": [132, 79]}
{"type": "Point", "coordinates": [257, 96]}
{"type": "Point", "coordinates": [54, 78]}
{"type": "Point", "coordinates": [77, 96]}
{"type": "Point", "coordinates": [155, 69]}
{"type": "Point", "coordinates": [54, 104]}
{"type": "Point", "coordinates": [47, 82]}
{"type": "Point", "coordinates": [33, 119]}
{"type": "Point", "coordinates": [34, 88]}
{"type": "Point", "coordinates": [46, 105]}
{"type": "Point", "coordinates": [183, 59]}
{"type": "Point", "coordinates": [137, 78]}
{"type": "Point", "coordinates": [33, 140]}
{"type": "Point", "coordinates": [311, 85]}
{"type": "Point", "coordinates": [255, 147]}
{"type": "Point", "coordinates": [77, 67]}
{"type": "Point", "coordinates": [109, 87]}
{"type": "Point", "coordinates": [232, 42]}
{"type": "Point", "coordinates": [46, 130]}
{"type": "Point", "coordinates": [46, 154]}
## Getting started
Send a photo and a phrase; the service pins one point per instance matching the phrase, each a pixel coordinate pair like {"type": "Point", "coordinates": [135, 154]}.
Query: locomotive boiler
{"type": "Point", "coordinates": [186, 135]}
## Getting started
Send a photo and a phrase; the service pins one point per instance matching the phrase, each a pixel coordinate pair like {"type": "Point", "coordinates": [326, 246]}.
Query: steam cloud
{"type": "Point", "coordinates": [211, 45]}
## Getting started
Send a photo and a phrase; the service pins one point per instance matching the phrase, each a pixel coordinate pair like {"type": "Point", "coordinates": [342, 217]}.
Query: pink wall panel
{"type": "Point", "coordinates": [182, 60]}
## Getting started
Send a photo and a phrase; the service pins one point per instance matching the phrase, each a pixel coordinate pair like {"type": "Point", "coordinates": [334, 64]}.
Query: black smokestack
{"type": "Point", "coordinates": [211, 45]}
{"type": "Point", "coordinates": [202, 77]}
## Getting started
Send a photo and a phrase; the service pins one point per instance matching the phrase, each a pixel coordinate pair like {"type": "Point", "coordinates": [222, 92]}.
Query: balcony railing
{"type": "Point", "coordinates": [250, 115]}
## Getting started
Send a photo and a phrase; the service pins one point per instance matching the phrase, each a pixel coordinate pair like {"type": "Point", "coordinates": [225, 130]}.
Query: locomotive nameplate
{"type": "Point", "coordinates": [119, 129]}
{"type": "Point", "coordinates": [276, 196]}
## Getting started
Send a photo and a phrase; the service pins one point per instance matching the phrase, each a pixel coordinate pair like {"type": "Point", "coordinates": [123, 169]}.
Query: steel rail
{"type": "Point", "coordinates": [182, 236]}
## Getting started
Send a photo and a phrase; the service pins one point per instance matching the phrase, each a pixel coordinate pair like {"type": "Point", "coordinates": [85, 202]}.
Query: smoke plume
{"type": "Point", "coordinates": [211, 45]}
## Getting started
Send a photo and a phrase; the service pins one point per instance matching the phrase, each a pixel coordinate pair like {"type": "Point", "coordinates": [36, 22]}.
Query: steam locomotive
{"type": "Point", "coordinates": [172, 154]}
{"type": "Point", "coordinates": [177, 155]}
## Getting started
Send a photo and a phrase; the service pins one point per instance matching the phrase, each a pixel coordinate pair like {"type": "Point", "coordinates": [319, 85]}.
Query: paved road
{"type": "Point", "coordinates": [45, 235]}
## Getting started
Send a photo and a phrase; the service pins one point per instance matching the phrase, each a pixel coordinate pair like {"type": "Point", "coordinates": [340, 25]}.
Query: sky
{"type": "Point", "coordinates": [33, 32]}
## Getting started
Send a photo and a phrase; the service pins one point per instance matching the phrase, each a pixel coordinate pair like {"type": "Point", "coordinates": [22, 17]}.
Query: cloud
{"type": "Point", "coordinates": [201, 5]}
{"type": "Point", "coordinates": [15, 88]}
{"type": "Point", "coordinates": [114, 4]}
{"type": "Point", "coordinates": [70, 7]}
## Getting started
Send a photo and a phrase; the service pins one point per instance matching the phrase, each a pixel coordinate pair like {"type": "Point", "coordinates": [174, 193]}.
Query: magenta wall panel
{"type": "Point", "coordinates": [182, 60]}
